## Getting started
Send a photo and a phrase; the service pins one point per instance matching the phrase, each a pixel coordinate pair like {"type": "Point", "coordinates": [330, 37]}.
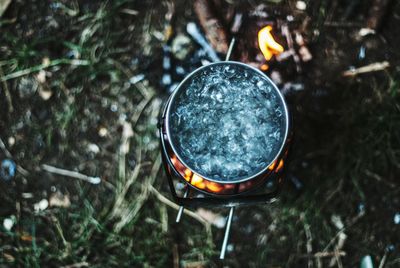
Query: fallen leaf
{"type": "Point", "coordinates": [213, 218]}
{"type": "Point", "coordinates": [41, 205]}
{"type": "Point", "coordinates": [45, 94]}
{"type": "Point", "coordinates": [26, 237]}
{"type": "Point", "coordinates": [41, 76]}
{"type": "Point", "coordinates": [59, 200]}
{"type": "Point", "coordinates": [8, 257]}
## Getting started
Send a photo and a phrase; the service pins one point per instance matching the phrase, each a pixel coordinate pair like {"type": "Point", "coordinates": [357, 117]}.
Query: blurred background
{"type": "Point", "coordinates": [81, 87]}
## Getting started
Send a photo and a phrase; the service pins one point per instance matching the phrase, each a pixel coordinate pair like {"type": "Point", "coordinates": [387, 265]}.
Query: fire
{"type": "Point", "coordinates": [267, 43]}
{"type": "Point", "coordinates": [280, 166]}
{"type": "Point", "coordinates": [276, 166]}
{"type": "Point", "coordinates": [213, 187]}
{"type": "Point", "coordinates": [195, 179]}
{"type": "Point", "coordinates": [198, 182]}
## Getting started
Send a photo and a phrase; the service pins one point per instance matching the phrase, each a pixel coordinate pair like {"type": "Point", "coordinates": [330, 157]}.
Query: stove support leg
{"type": "Point", "coordinates": [179, 215]}
{"type": "Point", "coordinates": [182, 208]}
{"type": "Point", "coordinates": [228, 54]}
{"type": "Point", "coordinates": [227, 231]}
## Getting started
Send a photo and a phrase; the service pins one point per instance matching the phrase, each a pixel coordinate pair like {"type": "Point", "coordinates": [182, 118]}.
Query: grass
{"type": "Point", "coordinates": [346, 149]}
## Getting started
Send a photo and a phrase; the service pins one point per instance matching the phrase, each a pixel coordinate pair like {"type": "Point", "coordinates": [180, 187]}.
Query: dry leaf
{"type": "Point", "coordinates": [41, 205]}
{"type": "Point", "coordinates": [8, 257]}
{"type": "Point", "coordinates": [45, 94]}
{"type": "Point", "coordinates": [41, 76]}
{"type": "Point", "coordinates": [211, 217]}
{"type": "Point", "coordinates": [59, 200]}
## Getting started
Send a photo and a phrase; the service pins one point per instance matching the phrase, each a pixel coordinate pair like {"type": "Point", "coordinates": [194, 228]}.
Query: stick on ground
{"type": "Point", "coordinates": [72, 174]}
{"type": "Point", "coordinates": [373, 67]}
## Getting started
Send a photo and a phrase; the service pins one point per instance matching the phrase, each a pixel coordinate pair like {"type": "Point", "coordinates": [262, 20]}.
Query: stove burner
{"type": "Point", "coordinates": [227, 122]}
{"type": "Point", "coordinates": [224, 135]}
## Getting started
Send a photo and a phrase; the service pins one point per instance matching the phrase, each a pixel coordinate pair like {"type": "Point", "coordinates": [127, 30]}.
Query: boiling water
{"type": "Point", "coordinates": [227, 122]}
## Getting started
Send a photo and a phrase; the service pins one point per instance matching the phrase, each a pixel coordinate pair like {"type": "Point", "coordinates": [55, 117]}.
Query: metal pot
{"type": "Point", "coordinates": [258, 183]}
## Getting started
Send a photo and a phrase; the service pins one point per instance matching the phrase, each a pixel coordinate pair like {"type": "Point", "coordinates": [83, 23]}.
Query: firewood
{"type": "Point", "coordinates": [212, 25]}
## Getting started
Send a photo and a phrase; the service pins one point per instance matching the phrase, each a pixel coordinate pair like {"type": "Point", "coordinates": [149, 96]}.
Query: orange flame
{"type": "Point", "coordinates": [213, 187]}
{"type": "Point", "coordinates": [280, 166]}
{"type": "Point", "coordinates": [195, 179]}
{"type": "Point", "coordinates": [267, 43]}
{"type": "Point", "coordinates": [276, 166]}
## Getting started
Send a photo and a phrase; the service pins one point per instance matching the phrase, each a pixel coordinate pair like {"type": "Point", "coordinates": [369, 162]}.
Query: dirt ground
{"type": "Point", "coordinates": [80, 90]}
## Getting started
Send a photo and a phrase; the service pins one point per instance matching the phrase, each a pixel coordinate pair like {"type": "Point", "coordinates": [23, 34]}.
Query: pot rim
{"type": "Point", "coordinates": [188, 77]}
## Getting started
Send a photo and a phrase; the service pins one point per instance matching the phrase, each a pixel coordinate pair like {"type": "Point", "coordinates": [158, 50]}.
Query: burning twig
{"type": "Point", "coordinates": [195, 33]}
{"type": "Point", "coordinates": [373, 67]}
{"type": "Point", "coordinates": [211, 25]}
{"type": "Point", "coordinates": [72, 174]}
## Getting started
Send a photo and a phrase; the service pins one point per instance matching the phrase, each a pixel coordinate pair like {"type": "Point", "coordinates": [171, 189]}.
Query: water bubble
{"type": "Point", "coordinates": [278, 112]}
{"type": "Point", "coordinates": [229, 72]}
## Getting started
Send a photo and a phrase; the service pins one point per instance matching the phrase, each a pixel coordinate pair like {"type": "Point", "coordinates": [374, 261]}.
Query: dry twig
{"type": "Point", "coordinates": [307, 231]}
{"type": "Point", "coordinates": [289, 41]}
{"type": "Point", "coordinates": [175, 255]}
{"type": "Point", "coordinates": [72, 174]}
{"type": "Point", "coordinates": [373, 67]}
{"type": "Point", "coordinates": [7, 93]}
{"type": "Point", "coordinates": [171, 204]}
{"type": "Point", "coordinates": [76, 265]}
{"type": "Point", "coordinates": [42, 67]}
{"type": "Point", "coordinates": [322, 254]}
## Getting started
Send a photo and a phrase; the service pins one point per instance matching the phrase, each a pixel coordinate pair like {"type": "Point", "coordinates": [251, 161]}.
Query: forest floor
{"type": "Point", "coordinates": [80, 90]}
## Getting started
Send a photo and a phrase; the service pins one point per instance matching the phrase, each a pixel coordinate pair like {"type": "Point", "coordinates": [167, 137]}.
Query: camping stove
{"type": "Point", "coordinates": [225, 134]}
